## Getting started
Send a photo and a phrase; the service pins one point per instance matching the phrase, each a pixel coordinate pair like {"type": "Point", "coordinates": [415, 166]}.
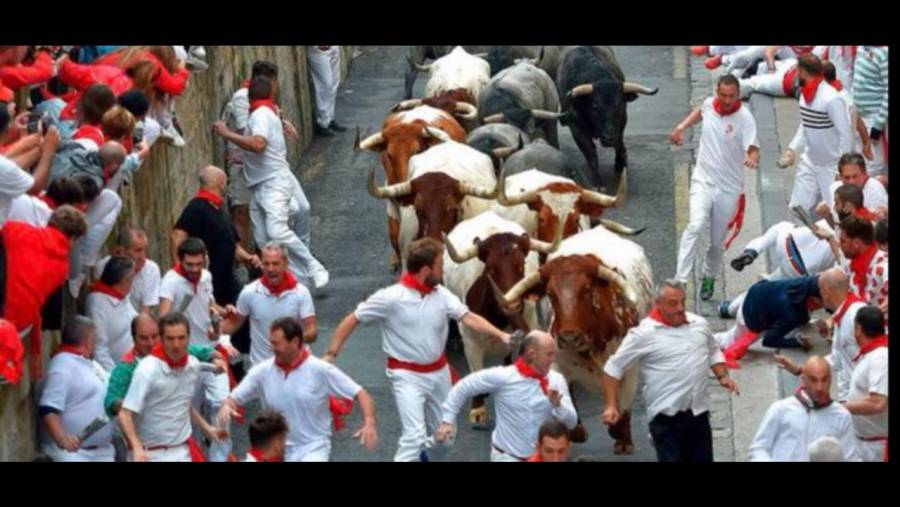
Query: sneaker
{"type": "Point", "coordinates": [171, 134]}
{"type": "Point", "coordinates": [725, 310]}
{"type": "Point", "coordinates": [324, 131]}
{"type": "Point", "coordinates": [707, 287]}
{"type": "Point", "coordinates": [198, 51]}
{"type": "Point", "coordinates": [321, 278]}
{"type": "Point", "coordinates": [744, 260]}
{"type": "Point", "coordinates": [336, 127]}
{"type": "Point", "coordinates": [713, 62]}
{"type": "Point", "coordinates": [700, 50]}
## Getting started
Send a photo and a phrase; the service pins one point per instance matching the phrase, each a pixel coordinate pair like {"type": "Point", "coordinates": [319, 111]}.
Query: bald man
{"type": "Point", "coordinates": [792, 424]}
{"type": "Point", "coordinates": [526, 394]}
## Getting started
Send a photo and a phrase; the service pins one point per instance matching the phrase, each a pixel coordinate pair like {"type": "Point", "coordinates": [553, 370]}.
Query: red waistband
{"type": "Point", "coordinates": [162, 447]}
{"type": "Point", "coordinates": [396, 364]}
{"type": "Point", "coordinates": [872, 439]}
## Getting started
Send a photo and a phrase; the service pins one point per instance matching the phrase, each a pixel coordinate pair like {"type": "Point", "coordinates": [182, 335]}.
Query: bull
{"type": "Point", "coordinates": [525, 96]}
{"type": "Point", "coordinates": [497, 140]}
{"type": "Point", "coordinates": [502, 57]}
{"type": "Point", "coordinates": [419, 54]}
{"type": "Point", "coordinates": [457, 71]}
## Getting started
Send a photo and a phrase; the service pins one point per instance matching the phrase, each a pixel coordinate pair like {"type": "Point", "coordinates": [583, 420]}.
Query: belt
{"type": "Point", "coordinates": [164, 447]}
{"type": "Point", "coordinates": [90, 447]}
{"type": "Point", "coordinates": [396, 364]}
{"type": "Point", "coordinates": [501, 451]}
{"type": "Point", "coordinates": [872, 439]}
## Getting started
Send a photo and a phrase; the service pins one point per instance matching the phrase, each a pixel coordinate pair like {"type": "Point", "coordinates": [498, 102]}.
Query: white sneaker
{"type": "Point", "coordinates": [171, 133]}
{"type": "Point", "coordinates": [198, 51]}
{"type": "Point", "coordinates": [321, 278]}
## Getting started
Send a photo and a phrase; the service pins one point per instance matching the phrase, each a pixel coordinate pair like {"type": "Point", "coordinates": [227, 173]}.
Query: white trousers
{"type": "Point", "coordinates": [419, 397]}
{"type": "Point", "coordinates": [873, 167]}
{"type": "Point", "coordinates": [750, 55]}
{"type": "Point", "coordinates": [773, 241]}
{"type": "Point", "coordinates": [812, 185]}
{"type": "Point", "coordinates": [211, 392]}
{"type": "Point", "coordinates": [325, 69]}
{"type": "Point", "coordinates": [179, 453]}
{"type": "Point", "coordinates": [101, 454]}
{"type": "Point", "coordinates": [279, 211]}
{"type": "Point", "coordinates": [870, 451]}
{"type": "Point", "coordinates": [295, 454]}
{"type": "Point", "coordinates": [715, 208]}
{"type": "Point", "coordinates": [499, 457]}
{"type": "Point", "coordinates": [766, 83]}
{"type": "Point", "coordinates": [725, 50]}
{"type": "Point", "coordinates": [101, 217]}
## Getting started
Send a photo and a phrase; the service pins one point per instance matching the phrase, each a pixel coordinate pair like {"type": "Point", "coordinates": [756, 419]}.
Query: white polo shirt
{"type": "Point", "coordinates": [870, 376]}
{"type": "Point", "coordinates": [31, 210]}
{"type": "Point", "coordinates": [413, 328]}
{"type": "Point", "coordinates": [263, 308]}
{"type": "Point", "coordinates": [161, 399]}
{"type": "Point", "coordinates": [843, 349]}
{"type": "Point", "coordinates": [178, 290]}
{"type": "Point", "coordinates": [13, 183]}
{"type": "Point", "coordinates": [144, 289]}
{"type": "Point", "coordinates": [75, 388]}
{"type": "Point", "coordinates": [674, 364]}
{"type": "Point", "coordinates": [788, 429]}
{"type": "Point", "coordinates": [521, 405]}
{"type": "Point", "coordinates": [302, 398]}
{"type": "Point", "coordinates": [260, 167]}
{"type": "Point", "coordinates": [723, 147]}
{"type": "Point", "coordinates": [112, 320]}
{"type": "Point", "coordinates": [874, 195]}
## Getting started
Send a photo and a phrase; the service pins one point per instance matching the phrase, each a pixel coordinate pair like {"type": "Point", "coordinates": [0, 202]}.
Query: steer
{"type": "Point", "coordinates": [448, 183]}
{"type": "Point", "coordinates": [593, 94]}
{"type": "Point", "coordinates": [543, 157]}
{"type": "Point", "coordinates": [599, 285]}
{"type": "Point", "coordinates": [525, 96]}
{"type": "Point", "coordinates": [418, 55]}
{"type": "Point", "coordinates": [456, 102]}
{"type": "Point", "coordinates": [498, 140]}
{"type": "Point", "coordinates": [502, 57]}
{"type": "Point", "coordinates": [488, 245]}
{"type": "Point", "coordinates": [457, 71]}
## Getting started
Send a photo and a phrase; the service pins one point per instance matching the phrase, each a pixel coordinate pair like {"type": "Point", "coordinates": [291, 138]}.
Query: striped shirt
{"type": "Point", "coordinates": [824, 128]}
{"type": "Point", "coordinates": [870, 85]}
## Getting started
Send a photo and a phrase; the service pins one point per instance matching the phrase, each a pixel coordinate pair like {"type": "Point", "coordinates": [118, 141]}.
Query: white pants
{"type": "Point", "coordinates": [724, 50]}
{"type": "Point", "coordinates": [325, 69]}
{"type": "Point", "coordinates": [773, 241]}
{"type": "Point", "coordinates": [279, 211]}
{"type": "Point", "coordinates": [870, 451]}
{"type": "Point", "coordinates": [812, 185]}
{"type": "Point", "coordinates": [295, 454]}
{"type": "Point", "coordinates": [727, 337]}
{"type": "Point", "coordinates": [101, 454]}
{"type": "Point", "coordinates": [746, 57]}
{"type": "Point", "coordinates": [873, 167]}
{"type": "Point", "coordinates": [419, 398]}
{"type": "Point", "coordinates": [211, 392]}
{"type": "Point", "coordinates": [766, 83]}
{"type": "Point", "coordinates": [179, 453]}
{"type": "Point", "coordinates": [708, 206]}
{"type": "Point", "coordinates": [101, 217]}
{"type": "Point", "coordinates": [499, 457]}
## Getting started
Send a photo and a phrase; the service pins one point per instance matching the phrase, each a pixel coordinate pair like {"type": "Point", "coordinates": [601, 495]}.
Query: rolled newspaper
{"type": "Point", "coordinates": [94, 426]}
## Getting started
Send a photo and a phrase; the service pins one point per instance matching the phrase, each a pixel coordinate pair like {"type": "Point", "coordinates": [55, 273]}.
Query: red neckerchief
{"type": "Point", "coordinates": [787, 83]}
{"type": "Point", "coordinates": [48, 200]}
{"type": "Point", "coordinates": [535, 458]}
{"type": "Point", "coordinates": [91, 132]}
{"type": "Point", "coordinates": [808, 402]}
{"type": "Point", "coordinates": [288, 282]}
{"type": "Point", "coordinates": [209, 197]}
{"type": "Point", "coordinates": [802, 50]}
{"type": "Point", "coordinates": [528, 372]}
{"type": "Point", "coordinates": [836, 84]}
{"type": "Point", "coordinates": [178, 269]}
{"type": "Point", "coordinates": [72, 349]}
{"type": "Point", "coordinates": [859, 266]}
{"type": "Point", "coordinates": [409, 281]}
{"type": "Point", "coordinates": [655, 315]}
{"type": "Point", "coordinates": [246, 83]}
{"type": "Point", "coordinates": [865, 214]}
{"type": "Point", "coordinates": [287, 368]}
{"type": "Point", "coordinates": [109, 290]}
{"type": "Point", "coordinates": [717, 106]}
{"type": "Point", "coordinates": [128, 357]}
{"type": "Point", "coordinates": [809, 89]}
{"type": "Point", "coordinates": [839, 314]}
{"type": "Point", "coordinates": [256, 104]}
{"type": "Point", "coordinates": [157, 351]}
{"type": "Point", "coordinates": [260, 456]}
{"type": "Point", "coordinates": [873, 344]}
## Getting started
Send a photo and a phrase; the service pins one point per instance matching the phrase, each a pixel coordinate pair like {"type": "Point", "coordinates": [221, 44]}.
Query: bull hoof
{"type": "Point", "coordinates": [579, 434]}
{"type": "Point", "coordinates": [621, 448]}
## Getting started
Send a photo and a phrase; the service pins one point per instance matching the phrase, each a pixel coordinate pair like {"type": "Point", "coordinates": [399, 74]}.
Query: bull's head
{"type": "Point", "coordinates": [602, 105]}
{"type": "Point", "coordinates": [398, 142]}
{"type": "Point", "coordinates": [525, 119]}
{"type": "Point", "coordinates": [457, 102]}
{"type": "Point", "coordinates": [436, 197]}
{"type": "Point", "coordinates": [592, 303]}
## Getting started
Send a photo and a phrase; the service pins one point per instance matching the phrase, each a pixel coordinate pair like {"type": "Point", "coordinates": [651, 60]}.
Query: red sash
{"type": "Point", "coordinates": [158, 352]}
{"type": "Point", "coordinates": [717, 106]}
{"type": "Point", "coordinates": [873, 344]}
{"type": "Point", "coordinates": [209, 197]}
{"type": "Point", "coordinates": [859, 266]}
{"type": "Point", "coordinates": [288, 282]}
{"type": "Point", "coordinates": [411, 282]}
{"type": "Point", "coordinates": [528, 372]}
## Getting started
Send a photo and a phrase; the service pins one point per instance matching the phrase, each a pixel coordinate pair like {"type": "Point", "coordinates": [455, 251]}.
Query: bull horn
{"type": "Point", "coordinates": [459, 257]}
{"type": "Point", "coordinates": [578, 91]}
{"type": "Point", "coordinates": [517, 291]}
{"type": "Point", "coordinates": [619, 228]}
{"type": "Point", "coordinates": [537, 61]}
{"type": "Point", "coordinates": [371, 141]}
{"type": "Point", "coordinates": [638, 88]}
{"type": "Point", "coordinates": [605, 200]}
{"type": "Point", "coordinates": [502, 198]}
{"type": "Point", "coordinates": [406, 104]}
{"type": "Point", "coordinates": [503, 152]}
{"type": "Point", "coordinates": [494, 118]}
{"type": "Point", "coordinates": [619, 281]}
{"type": "Point", "coordinates": [389, 191]}
{"type": "Point", "coordinates": [466, 111]}
{"type": "Point", "coordinates": [541, 114]}
{"type": "Point", "coordinates": [417, 66]}
{"type": "Point", "coordinates": [436, 133]}
{"type": "Point", "coordinates": [544, 247]}
{"type": "Point", "coordinates": [478, 191]}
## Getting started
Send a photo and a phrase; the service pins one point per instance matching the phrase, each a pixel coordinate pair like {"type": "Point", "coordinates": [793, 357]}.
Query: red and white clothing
{"type": "Point", "coordinates": [521, 404]}
{"type": "Point", "coordinates": [160, 396]}
{"type": "Point", "coordinates": [112, 316]}
{"type": "Point", "coordinates": [843, 345]}
{"type": "Point", "coordinates": [144, 288]}
{"type": "Point", "coordinates": [790, 427]}
{"type": "Point", "coordinates": [749, 55]}
{"type": "Point", "coordinates": [717, 183]}
{"type": "Point", "coordinates": [874, 195]}
{"type": "Point", "coordinates": [31, 210]}
{"type": "Point", "coordinates": [815, 254]}
{"type": "Point", "coordinates": [871, 376]}
{"type": "Point", "coordinates": [101, 217]}
{"type": "Point", "coordinates": [261, 167]}
{"type": "Point", "coordinates": [781, 83]}
{"type": "Point", "coordinates": [414, 328]}
{"type": "Point", "coordinates": [300, 393]}
{"type": "Point", "coordinates": [262, 307]}
{"type": "Point", "coordinates": [868, 274]}
{"type": "Point", "coordinates": [181, 291]}
{"type": "Point", "coordinates": [13, 183]}
{"type": "Point", "coordinates": [76, 386]}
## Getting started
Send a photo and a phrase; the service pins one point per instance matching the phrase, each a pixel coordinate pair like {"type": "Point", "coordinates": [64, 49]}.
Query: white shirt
{"type": "Point", "coordinates": [874, 195]}
{"type": "Point", "coordinates": [301, 397]}
{"type": "Point", "coordinates": [824, 128]}
{"type": "Point", "coordinates": [876, 290]}
{"type": "Point", "coordinates": [788, 429]}
{"type": "Point", "coordinates": [260, 167]}
{"type": "Point", "coordinates": [413, 328]}
{"type": "Point", "coordinates": [112, 318]}
{"type": "Point", "coordinates": [178, 290]}
{"type": "Point", "coordinates": [871, 376]}
{"type": "Point", "coordinates": [161, 397]}
{"type": "Point", "coordinates": [31, 210]}
{"type": "Point", "coordinates": [13, 183]}
{"type": "Point", "coordinates": [257, 303]}
{"type": "Point", "coordinates": [723, 146]}
{"type": "Point", "coordinates": [144, 289]}
{"type": "Point", "coordinates": [674, 363]}
{"type": "Point", "coordinates": [520, 404]}
{"type": "Point", "coordinates": [843, 349]}
{"type": "Point", "coordinates": [74, 387]}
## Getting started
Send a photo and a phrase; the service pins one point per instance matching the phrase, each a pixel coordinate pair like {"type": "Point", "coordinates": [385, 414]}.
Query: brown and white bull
{"type": "Point", "coordinates": [403, 135]}
{"type": "Point", "coordinates": [488, 245]}
{"type": "Point", "coordinates": [448, 183]}
{"type": "Point", "coordinates": [599, 286]}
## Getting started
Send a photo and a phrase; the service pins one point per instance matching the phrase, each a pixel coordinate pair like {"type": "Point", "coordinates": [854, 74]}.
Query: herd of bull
{"type": "Point", "coordinates": [476, 164]}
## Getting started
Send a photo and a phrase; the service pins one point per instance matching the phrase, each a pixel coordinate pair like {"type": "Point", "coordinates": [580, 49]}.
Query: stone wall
{"type": "Point", "coordinates": [167, 180]}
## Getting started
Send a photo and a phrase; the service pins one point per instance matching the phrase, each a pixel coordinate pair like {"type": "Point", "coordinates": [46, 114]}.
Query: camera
{"type": "Point", "coordinates": [138, 135]}
{"type": "Point", "coordinates": [35, 122]}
